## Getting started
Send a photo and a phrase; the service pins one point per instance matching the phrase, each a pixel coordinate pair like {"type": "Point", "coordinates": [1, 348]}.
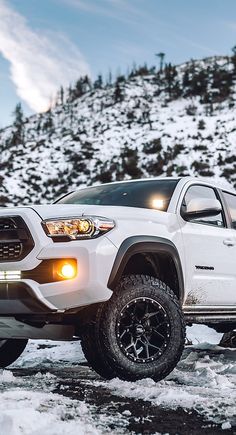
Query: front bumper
{"type": "Point", "coordinates": [19, 298]}
{"type": "Point", "coordinates": [94, 259]}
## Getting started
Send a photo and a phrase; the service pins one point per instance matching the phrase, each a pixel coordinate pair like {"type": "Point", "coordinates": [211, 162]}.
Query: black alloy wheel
{"type": "Point", "coordinates": [143, 330]}
{"type": "Point", "coordinates": [138, 333]}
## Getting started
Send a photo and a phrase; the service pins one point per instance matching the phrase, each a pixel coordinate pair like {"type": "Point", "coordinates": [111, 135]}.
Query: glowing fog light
{"type": "Point", "coordinates": [67, 270]}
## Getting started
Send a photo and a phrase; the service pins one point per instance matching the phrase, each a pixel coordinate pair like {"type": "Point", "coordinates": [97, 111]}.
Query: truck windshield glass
{"type": "Point", "coordinates": [155, 194]}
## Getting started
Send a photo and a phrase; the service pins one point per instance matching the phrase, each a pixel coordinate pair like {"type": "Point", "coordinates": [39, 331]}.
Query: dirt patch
{"type": "Point", "coordinates": [124, 415]}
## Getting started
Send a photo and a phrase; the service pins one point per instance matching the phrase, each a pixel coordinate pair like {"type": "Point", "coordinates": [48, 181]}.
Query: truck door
{"type": "Point", "coordinates": [210, 253]}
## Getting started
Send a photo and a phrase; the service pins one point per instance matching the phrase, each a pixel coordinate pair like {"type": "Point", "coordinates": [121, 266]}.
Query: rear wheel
{"type": "Point", "coordinates": [229, 339]}
{"type": "Point", "coordinates": [139, 332]}
{"type": "Point", "coordinates": [10, 350]}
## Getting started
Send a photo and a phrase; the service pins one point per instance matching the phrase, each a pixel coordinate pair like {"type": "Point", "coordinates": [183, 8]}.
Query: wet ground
{"type": "Point", "coordinates": [119, 414]}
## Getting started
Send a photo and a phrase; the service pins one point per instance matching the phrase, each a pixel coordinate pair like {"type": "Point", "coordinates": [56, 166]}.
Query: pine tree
{"type": "Point", "coordinates": [70, 94]}
{"type": "Point", "coordinates": [130, 160]}
{"type": "Point", "coordinates": [48, 125]}
{"type": "Point", "coordinates": [118, 94]}
{"type": "Point", "coordinates": [87, 85]}
{"type": "Point", "coordinates": [186, 80]}
{"type": "Point", "coordinates": [61, 95]}
{"type": "Point", "coordinates": [161, 57]}
{"type": "Point", "coordinates": [79, 88]}
{"type": "Point", "coordinates": [18, 123]}
{"type": "Point", "coordinates": [234, 57]}
{"type": "Point", "coordinates": [18, 116]}
{"type": "Point", "coordinates": [170, 76]}
{"type": "Point", "coordinates": [98, 84]}
{"type": "Point", "coordinates": [109, 79]}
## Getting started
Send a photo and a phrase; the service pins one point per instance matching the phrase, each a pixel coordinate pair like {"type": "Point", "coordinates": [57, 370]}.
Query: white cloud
{"type": "Point", "coordinates": [135, 12]}
{"type": "Point", "coordinates": [39, 63]}
{"type": "Point", "coordinates": [120, 10]}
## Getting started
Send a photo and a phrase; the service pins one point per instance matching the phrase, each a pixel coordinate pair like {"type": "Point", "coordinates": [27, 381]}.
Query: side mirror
{"type": "Point", "coordinates": [202, 207]}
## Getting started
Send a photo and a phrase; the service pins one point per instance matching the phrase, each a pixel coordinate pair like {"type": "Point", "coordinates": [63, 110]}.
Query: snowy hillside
{"type": "Point", "coordinates": [178, 121]}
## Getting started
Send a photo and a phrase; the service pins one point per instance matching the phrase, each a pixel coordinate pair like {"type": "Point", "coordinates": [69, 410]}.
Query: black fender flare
{"type": "Point", "coordinates": [140, 244]}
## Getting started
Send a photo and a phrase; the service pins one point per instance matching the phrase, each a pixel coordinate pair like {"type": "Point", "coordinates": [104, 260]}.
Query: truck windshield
{"type": "Point", "coordinates": [155, 194]}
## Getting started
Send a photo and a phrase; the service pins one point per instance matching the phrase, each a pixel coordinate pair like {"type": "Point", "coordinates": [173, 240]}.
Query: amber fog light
{"type": "Point", "coordinates": [66, 269]}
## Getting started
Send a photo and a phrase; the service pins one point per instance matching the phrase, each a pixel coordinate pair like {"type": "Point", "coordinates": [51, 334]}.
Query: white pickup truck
{"type": "Point", "coordinates": [123, 266]}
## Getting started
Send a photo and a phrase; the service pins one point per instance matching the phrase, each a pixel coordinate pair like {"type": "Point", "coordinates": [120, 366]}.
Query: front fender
{"type": "Point", "coordinates": [140, 244]}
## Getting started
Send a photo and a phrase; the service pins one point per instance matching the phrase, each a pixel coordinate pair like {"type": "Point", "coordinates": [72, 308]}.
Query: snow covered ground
{"type": "Point", "coordinates": [205, 380]}
{"type": "Point", "coordinates": [45, 353]}
{"type": "Point", "coordinates": [35, 399]}
{"type": "Point", "coordinates": [34, 412]}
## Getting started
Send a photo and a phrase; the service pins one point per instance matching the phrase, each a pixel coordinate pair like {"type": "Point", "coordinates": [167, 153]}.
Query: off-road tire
{"type": "Point", "coordinates": [229, 340]}
{"type": "Point", "coordinates": [90, 343]}
{"type": "Point", "coordinates": [100, 341]}
{"type": "Point", "coordinates": [10, 350]}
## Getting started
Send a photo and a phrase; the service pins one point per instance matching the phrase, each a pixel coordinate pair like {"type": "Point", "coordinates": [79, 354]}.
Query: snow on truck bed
{"type": "Point", "coordinates": [204, 380]}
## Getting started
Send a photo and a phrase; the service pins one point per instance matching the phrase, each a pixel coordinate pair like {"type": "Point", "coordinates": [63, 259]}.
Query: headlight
{"type": "Point", "coordinates": [78, 228]}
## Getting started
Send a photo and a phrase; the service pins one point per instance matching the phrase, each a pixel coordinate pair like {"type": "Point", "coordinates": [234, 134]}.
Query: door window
{"type": "Point", "coordinates": [197, 192]}
{"type": "Point", "coordinates": [231, 203]}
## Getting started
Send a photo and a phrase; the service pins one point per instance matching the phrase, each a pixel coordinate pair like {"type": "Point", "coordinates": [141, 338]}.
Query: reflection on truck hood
{"type": "Point", "coordinates": [58, 210]}
{"type": "Point", "coordinates": [74, 210]}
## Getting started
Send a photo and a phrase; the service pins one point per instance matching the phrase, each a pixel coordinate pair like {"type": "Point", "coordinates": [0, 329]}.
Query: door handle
{"type": "Point", "coordinates": [229, 242]}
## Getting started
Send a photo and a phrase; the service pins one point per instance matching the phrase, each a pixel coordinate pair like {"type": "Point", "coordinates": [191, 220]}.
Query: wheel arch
{"type": "Point", "coordinates": [149, 253]}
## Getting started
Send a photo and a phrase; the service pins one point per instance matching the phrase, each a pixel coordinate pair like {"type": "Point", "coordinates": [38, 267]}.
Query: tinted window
{"type": "Point", "coordinates": [145, 194]}
{"type": "Point", "coordinates": [205, 192]}
{"type": "Point", "coordinates": [231, 203]}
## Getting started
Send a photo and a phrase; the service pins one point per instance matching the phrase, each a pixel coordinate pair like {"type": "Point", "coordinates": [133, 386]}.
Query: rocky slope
{"type": "Point", "coordinates": [179, 121]}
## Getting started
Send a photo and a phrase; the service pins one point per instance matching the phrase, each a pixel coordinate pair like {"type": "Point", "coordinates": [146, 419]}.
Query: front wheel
{"type": "Point", "coordinates": [139, 332]}
{"type": "Point", "coordinates": [10, 350]}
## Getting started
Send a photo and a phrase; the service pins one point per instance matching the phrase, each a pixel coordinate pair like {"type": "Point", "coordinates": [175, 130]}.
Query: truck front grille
{"type": "Point", "coordinates": [15, 239]}
{"type": "Point", "coordinates": [10, 251]}
{"type": "Point", "coordinates": [7, 224]}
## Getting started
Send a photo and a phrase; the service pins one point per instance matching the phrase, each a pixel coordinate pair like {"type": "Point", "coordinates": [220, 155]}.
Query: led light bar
{"type": "Point", "coordinates": [10, 275]}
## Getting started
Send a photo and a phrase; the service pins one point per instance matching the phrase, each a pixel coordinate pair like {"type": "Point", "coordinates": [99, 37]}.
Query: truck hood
{"type": "Point", "coordinates": [114, 212]}
{"type": "Point", "coordinates": [58, 210]}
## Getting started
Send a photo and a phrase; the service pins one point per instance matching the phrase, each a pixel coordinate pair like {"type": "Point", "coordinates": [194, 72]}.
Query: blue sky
{"type": "Point", "coordinates": [50, 42]}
